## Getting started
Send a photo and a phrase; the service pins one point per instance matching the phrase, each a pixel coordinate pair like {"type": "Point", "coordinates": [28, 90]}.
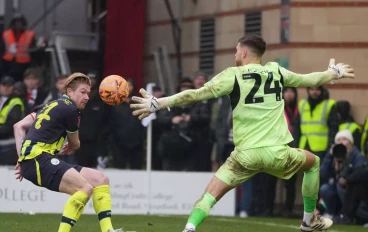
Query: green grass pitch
{"type": "Point", "coordinates": [89, 223]}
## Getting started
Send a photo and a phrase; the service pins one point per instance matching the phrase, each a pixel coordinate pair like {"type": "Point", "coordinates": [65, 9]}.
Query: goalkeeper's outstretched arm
{"type": "Point", "coordinates": [316, 79]}
{"type": "Point", "coordinates": [188, 97]}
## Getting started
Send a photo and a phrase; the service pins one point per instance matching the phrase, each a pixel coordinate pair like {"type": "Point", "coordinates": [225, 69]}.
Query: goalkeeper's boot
{"type": "Point", "coordinates": [117, 230]}
{"type": "Point", "coordinates": [317, 223]}
{"type": "Point", "coordinates": [189, 230]}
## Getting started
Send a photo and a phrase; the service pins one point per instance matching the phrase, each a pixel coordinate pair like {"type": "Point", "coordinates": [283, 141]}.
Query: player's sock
{"type": "Point", "coordinates": [200, 210]}
{"type": "Point", "coordinates": [102, 204]}
{"type": "Point", "coordinates": [73, 210]}
{"type": "Point", "coordinates": [310, 190]}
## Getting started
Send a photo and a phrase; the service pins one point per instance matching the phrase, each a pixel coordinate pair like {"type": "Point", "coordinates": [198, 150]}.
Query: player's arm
{"type": "Point", "coordinates": [221, 84]}
{"type": "Point", "coordinates": [20, 129]}
{"type": "Point", "coordinates": [72, 125]}
{"type": "Point", "coordinates": [315, 79]}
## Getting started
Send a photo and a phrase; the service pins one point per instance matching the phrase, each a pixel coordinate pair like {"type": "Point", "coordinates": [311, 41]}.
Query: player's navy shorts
{"type": "Point", "coordinates": [46, 171]}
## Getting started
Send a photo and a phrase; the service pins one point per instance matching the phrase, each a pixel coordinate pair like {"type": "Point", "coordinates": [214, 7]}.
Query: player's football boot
{"type": "Point", "coordinates": [117, 230]}
{"type": "Point", "coordinates": [188, 230]}
{"type": "Point", "coordinates": [317, 223]}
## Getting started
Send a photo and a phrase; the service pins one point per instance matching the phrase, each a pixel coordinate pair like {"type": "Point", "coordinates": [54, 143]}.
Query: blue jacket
{"type": "Point", "coordinates": [327, 169]}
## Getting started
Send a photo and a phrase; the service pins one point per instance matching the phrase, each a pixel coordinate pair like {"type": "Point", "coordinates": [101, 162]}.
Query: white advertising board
{"type": "Point", "coordinates": [133, 192]}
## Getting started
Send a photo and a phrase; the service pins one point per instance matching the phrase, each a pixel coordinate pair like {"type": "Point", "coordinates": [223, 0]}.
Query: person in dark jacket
{"type": "Point", "coordinates": [12, 111]}
{"type": "Point", "coordinates": [93, 130]}
{"type": "Point", "coordinates": [36, 93]}
{"type": "Point", "coordinates": [347, 122]}
{"type": "Point", "coordinates": [128, 134]}
{"type": "Point", "coordinates": [331, 192]}
{"type": "Point", "coordinates": [177, 143]}
{"type": "Point", "coordinates": [355, 182]}
{"type": "Point", "coordinates": [59, 89]}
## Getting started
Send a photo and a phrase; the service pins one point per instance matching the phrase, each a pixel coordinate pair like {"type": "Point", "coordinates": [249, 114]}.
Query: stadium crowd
{"type": "Point", "coordinates": [199, 138]}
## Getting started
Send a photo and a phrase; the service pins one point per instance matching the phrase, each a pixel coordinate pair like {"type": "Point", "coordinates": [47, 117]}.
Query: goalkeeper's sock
{"type": "Point", "coordinates": [310, 190]}
{"type": "Point", "coordinates": [200, 210]}
{"type": "Point", "coordinates": [102, 204]}
{"type": "Point", "coordinates": [73, 210]}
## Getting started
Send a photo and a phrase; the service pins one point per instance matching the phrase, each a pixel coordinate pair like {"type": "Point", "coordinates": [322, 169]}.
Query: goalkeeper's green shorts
{"type": "Point", "coordinates": [280, 161]}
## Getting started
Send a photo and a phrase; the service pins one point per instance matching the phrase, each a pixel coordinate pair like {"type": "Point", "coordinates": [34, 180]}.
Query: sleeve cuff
{"type": "Point", "coordinates": [72, 132]}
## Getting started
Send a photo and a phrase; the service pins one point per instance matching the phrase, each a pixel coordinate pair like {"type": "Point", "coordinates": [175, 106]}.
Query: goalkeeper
{"type": "Point", "coordinates": [260, 130]}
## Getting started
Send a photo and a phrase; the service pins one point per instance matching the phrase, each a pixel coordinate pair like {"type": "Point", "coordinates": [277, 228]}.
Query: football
{"type": "Point", "coordinates": [114, 90]}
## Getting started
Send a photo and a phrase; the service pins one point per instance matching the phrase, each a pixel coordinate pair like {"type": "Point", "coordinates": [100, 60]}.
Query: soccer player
{"type": "Point", "coordinates": [47, 130]}
{"type": "Point", "coordinates": [260, 132]}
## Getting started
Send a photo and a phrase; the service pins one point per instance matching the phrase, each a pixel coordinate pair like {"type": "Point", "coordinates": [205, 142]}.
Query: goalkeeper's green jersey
{"type": "Point", "coordinates": [256, 98]}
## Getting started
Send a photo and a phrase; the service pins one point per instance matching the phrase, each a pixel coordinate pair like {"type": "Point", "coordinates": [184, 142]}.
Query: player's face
{"type": "Point", "coordinates": [239, 55]}
{"type": "Point", "coordinates": [314, 93]}
{"type": "Point", "coordinates": [80, 95]}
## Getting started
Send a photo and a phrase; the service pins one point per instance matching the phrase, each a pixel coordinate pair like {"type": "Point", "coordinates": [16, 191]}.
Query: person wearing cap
{"type": "Point", "coordinates": [12, 110]}
{"type": "Point", "coordinates": [18, 41]}
{"type": "Point", "coordinates": [318, 122]}
{"type": "Point", "coordinates": [331, 192]}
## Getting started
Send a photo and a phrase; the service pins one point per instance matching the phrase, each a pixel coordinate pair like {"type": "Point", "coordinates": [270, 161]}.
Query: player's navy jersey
{"type": "Point", "coordinates": [50, 127]}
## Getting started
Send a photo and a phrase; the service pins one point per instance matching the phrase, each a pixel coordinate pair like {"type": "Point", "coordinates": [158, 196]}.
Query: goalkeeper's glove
{"type": "Point", "coordinates": [340, 70]}
{"type": "Point", "coordinates": [147, 105]}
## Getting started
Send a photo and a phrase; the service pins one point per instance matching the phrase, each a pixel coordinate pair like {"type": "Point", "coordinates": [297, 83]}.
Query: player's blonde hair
{"type": "Point", "coordinates": [75, 79]}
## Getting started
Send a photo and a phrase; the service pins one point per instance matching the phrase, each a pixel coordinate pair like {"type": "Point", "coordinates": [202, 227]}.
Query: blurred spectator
{"type": "Point", "coordinates": [364, 140]}
{"type": "Point", "coordinates": [157, 131]}
{"type": "Point", "coordinates": [93, 130]}
{"type": "Point", "coordinates": [293, 119]}
{"type": "Point", "coordinates": [20, 90]}
{"type": "Point", "coordinates": [36, 94]}
{"type": "Point", "coordinates": [347, 122]}
{"type": "Point", "coordinates": [128, 134]}
{"type": "Point", "coordinates": [339, 157]}
{"type": "Point", "coordinates": [200, 118]}
{"type": "Point", "coordinates": [59, 89]}
{"type": "Point", "coordinates": [12, 111]}
{"type": "Point", "coordinates": [176, 145]}
{"type": "Point", "coordinates": [17, 41]}
{"type": "Point", "coordinates": [355, 182]}
{"type": "Point", "coordinates": [319, 122]}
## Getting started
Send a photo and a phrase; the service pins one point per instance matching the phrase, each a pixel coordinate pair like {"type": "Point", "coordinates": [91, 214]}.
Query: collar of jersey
{"type": "Point", "coordinates": [67, 97]}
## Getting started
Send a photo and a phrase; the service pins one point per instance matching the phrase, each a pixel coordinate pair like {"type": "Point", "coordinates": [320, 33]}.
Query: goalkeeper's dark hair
{"type": "Point", "coordinates": [255, 42]}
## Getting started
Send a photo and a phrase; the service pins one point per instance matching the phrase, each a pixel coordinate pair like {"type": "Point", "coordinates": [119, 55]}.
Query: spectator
{"type": "Point", "coordinates": [319, 122]}
{"type": "Point", "coordinates": [331, 193]}
{"type": "Point", "coordinates": [156, 134]}
{"type": "Point", "coordinates": [17, 41]}
{"type": "Point", "coordinates": [177, 143]}
{"type": "Point", "coordinates": [36, 93]}
{"type": "Point", "coordinates": [293, 119]}
{"type": "Point", "coordinates": [200, 119]}
{"type": "Point", "coordinates": [354, 180]}
{"type": "Point", "coordinates": [20, 90]}
{"type": "Point", "coordinates": [347, 122]}
{"type": "Point", "coordinates": [59, 89]}
{"type": "Point", "coordinates": [128, 134]}
{"type": "Point", "coordinates": [12, 111]}
{"type": "Point", "coordinates": [93, 130]}
{"type": "Point", "coordinates": [364, 140]}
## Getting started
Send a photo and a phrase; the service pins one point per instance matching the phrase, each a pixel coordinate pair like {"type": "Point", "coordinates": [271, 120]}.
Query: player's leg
{"type": "Point", "coordinates": [286, 162]}
{"type": "Point", "coordinates": [310, 189]}
{"type": "Point", "coordinates": [101, 196]}
{"type": "Point", "coordinates": [230, 175]}
{"type": "Point", "coordinates": [80, 190]}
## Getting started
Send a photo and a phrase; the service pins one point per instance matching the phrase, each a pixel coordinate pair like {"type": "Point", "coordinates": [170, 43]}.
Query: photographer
{"type": "Point", "coordinates": [342, 155]}
{"type": "Point", "coordinates": [355, 181]}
